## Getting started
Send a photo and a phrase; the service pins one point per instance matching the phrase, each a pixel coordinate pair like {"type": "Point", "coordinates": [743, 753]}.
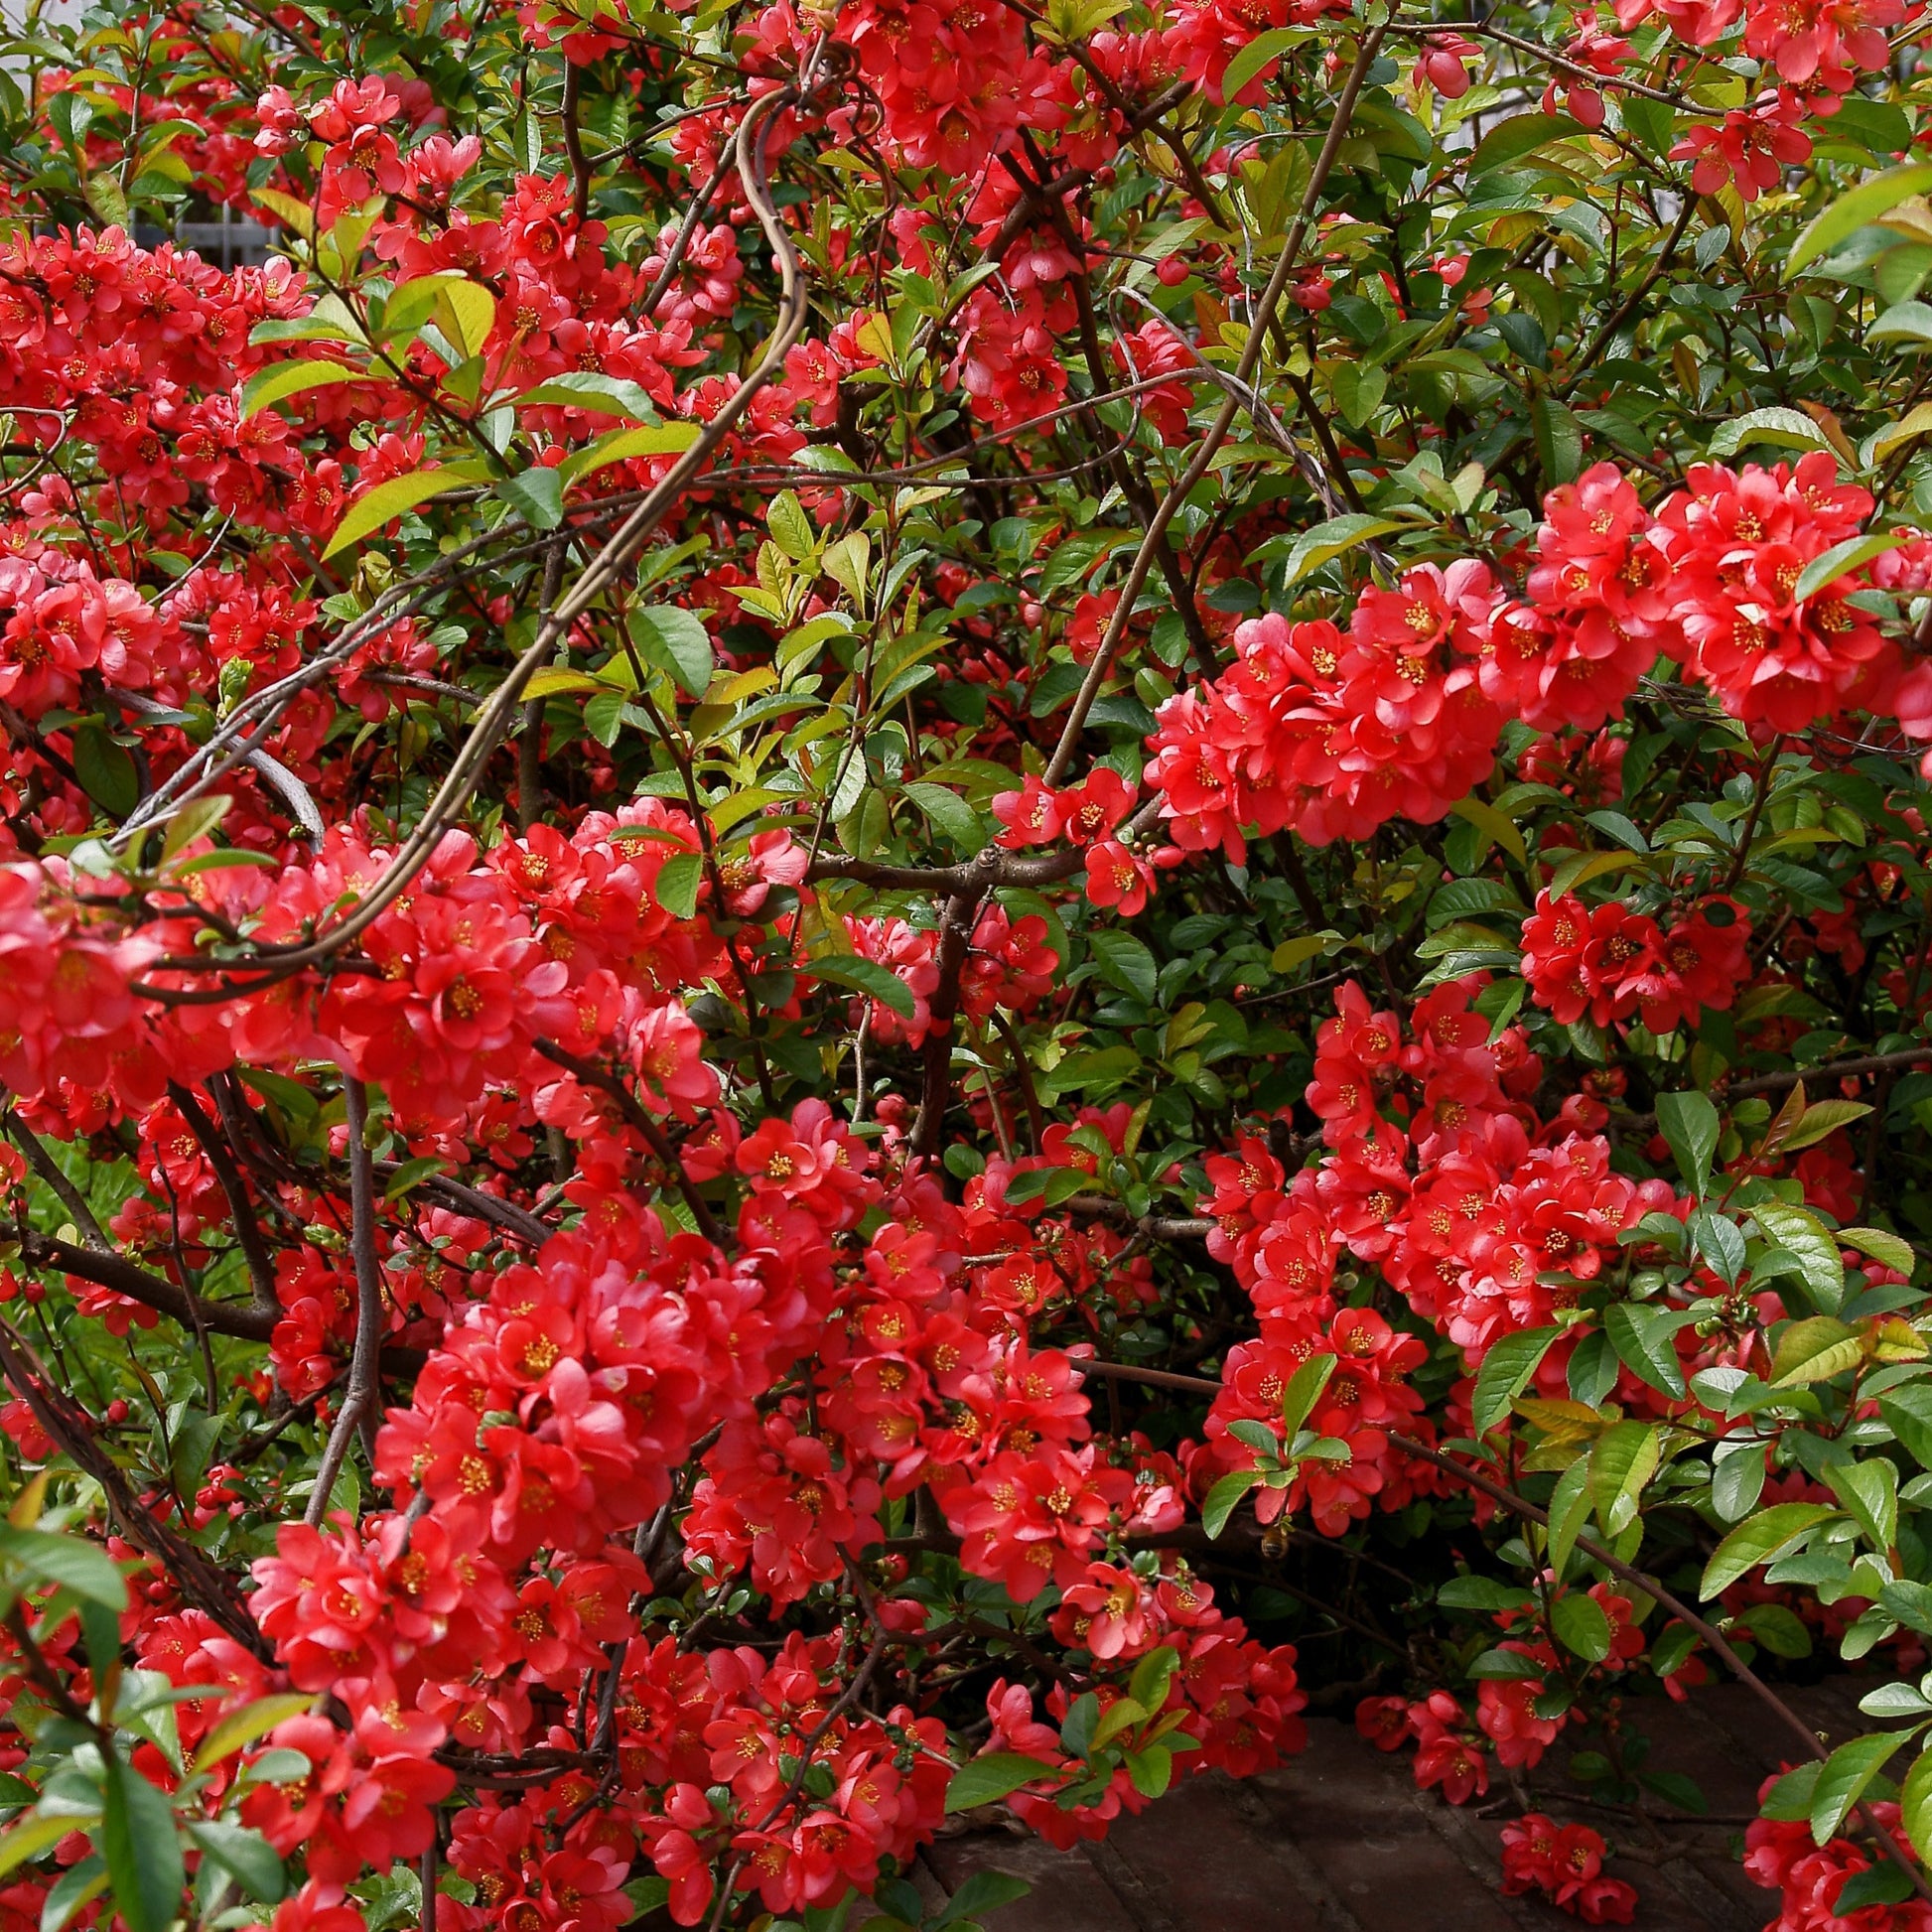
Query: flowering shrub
{"type": "Point", "coordinates": [898, 902]}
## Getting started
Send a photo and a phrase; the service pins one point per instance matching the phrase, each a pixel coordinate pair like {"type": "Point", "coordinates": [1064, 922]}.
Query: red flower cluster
{"type": "Point", "coordinates": [1565, 1863]}
{"type": "Point", "coordinates": [1608, 963]}
{"type": "Point", "coordinates": [1782, 1855]}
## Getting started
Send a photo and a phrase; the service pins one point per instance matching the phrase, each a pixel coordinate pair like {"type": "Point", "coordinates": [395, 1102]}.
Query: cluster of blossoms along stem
{"type": "Point", "coordinates": [1329, 735]}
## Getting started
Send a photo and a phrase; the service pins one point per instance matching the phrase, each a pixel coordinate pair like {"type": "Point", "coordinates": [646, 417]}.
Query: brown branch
{"type": "Point", "coordinates": [360, 1397]}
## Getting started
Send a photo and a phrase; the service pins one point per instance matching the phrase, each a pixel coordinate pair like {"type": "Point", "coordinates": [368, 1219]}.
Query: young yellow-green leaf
{"type": "Point", "coordinates": [400, 495]}
{"type": "Point", "coordinates": [555, 683]}
{"type": "Point", "coordinates": [295, 216]}
{"type": "Point", "coordinates": [38, 1833]}
{"type": "Point", "coordinates": [240, 1728]}
{"type": "Point", "coordinates": [1821, 1118]}
{"type": "Point", "coordinates": [1852, 211]}
{"type": "Point", "coordinates": [1492, 824]}
{"type": "Point", "coordinates": [282, 380]}
{"type": "Point", "coordinates": [621, 445]}
{"type": "Point", "coordinates": [1814, 1350]}
{"type": "Point", "coordinates": [1758, 1540]}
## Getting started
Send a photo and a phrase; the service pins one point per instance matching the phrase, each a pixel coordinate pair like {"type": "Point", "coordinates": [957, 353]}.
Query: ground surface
{"type": "Point", "coordinates": [1341, 1841]}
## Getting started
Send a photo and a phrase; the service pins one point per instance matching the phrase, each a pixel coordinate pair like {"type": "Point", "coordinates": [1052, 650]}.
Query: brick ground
{"type": "Point", "coordinates": [1341, 1841]}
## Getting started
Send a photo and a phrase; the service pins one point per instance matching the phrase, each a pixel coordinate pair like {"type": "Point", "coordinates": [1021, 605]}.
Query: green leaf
{"type": "Point", "coordinates": [1688, 1122]}
{"type": "Point", "coordinates": [105, 771]}
{"type": "Point", "coordinates": [1890, 1250]}
{"type": "Point", "coordinates": [282, 380]}
{"type": "Point", "coordinates": [949, 813]}
{"type": "Point", "coordinates": [678, 882]}
{"type": "Point", "coordinates": [537, 495]}
{"type": "Point", "coordinates": [1758, 1541]}
{"type": "Point", "coordinates": [245, 1854]}
{"type": "Point", "coordinates": [1223, 1498]}
{"type": "Point", "coordinates": [1622, 1460]}
{"type": "Point", "coordinates": [1125, 962]}
{"type": "Point", "coordinates": [1152, 1769]}
{"type": "Point", "coordinates": [866, 976]}
{"type": "Point", "coordinates": [1329, 540]}
{"type": "Point", "coordinates": [1801, 1234]}
{"type": "Point", "coordinates": [400, 495]}
{"type": "Point", "coordinates": [71, 1890]}
{"type": "Point", "coordinates": [1844, 1777]}
{"type": "Point", "coordinates": [1907, 1412]}
{"type": "Point", "coordinates": [606, 395]}
{"type": "Point", "coordinates": [1915, 1805]}
{"type": "Point", "coordinates": [1505, 1374]}
{"type": "Point", "coordinates": [986, 1780]}
{"type": "Point", "coordinates": [1303, 1391]}
{"type": "Point", "coordinates": [983, 1891]}
{"type": "Point", "coordinates": [1839, 561]}
{"type": "Point", "coordinates": [676, 642]}
{"type": "Point", "coordinates": [1559, 439]}
{"type": "Point", "coordinates": [84, 1569]}
{"type": "Point", "coordinates": [1788, 429]}
{"type": "Point", "coordinates": [1258, 52]}
{"type": "Point", "coordinates": [143, 1852]}
{"type": "Point", "coordinates": [409, 1173]}
{"type": "Point", "coordinates": [1869, 1489]}
{"type": "Point", "coordinates": [1154, 1676]}
{"type": "Point", "coordinates": [1581, 1626]}
{"type": "Point", "coordinates": [1778, 1631]}
{"type": "Point", "coordinates": [194, 820]}
{"type": "Point", "coordinates": [1569, 1513]}
{"type": "Point", "coordinates": [1644, 1339]}
{"type": "Point", "coordinates": [1850, 213]}
{"type": "Point", "coordinates": [1521, 135]}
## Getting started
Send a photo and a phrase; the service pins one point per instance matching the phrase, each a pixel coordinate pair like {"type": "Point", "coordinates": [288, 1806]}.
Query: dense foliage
{"type": "Point", "coordinates": [878, 876]}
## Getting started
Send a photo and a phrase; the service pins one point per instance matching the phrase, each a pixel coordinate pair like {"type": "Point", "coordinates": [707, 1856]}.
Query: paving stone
{"type": "Point", "coordinates": [1338, 1840]}
{"type": "Point", "coordinates": [1355, 1812]}
{"type": "Point", "coordinates": [1068, 1893]}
